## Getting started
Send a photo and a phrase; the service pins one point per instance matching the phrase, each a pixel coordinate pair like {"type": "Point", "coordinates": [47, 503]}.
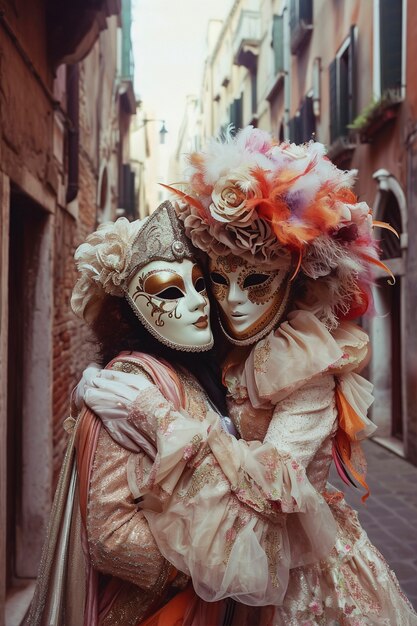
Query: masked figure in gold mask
{"type": "Point", "coordinates": [291, 252]}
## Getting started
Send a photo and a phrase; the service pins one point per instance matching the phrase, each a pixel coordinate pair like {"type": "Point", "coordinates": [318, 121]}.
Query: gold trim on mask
{"type": "Point", "coordinates": [159, 306]}
{"type": "Point", "coordinates": [157, 280]}
{"type": "Point", "coordinates": [261, 293]}
{"type": "Point", "coordinates": [257, 294]}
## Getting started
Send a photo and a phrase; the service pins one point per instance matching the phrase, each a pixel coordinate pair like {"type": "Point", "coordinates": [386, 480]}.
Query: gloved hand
{"type": "Point", "coordinates": [78, 393]}
{"type": "Point", "coordinates": [110, 395]}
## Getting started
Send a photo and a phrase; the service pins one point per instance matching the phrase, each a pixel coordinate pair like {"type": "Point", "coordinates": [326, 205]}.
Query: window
{"type": "Point", "coordinates": [127, 200]}
{"type": "Point", "coordinates": [236, 113]}
{"type": "Point", "coordinates": [390, 38]}
{"type": "Point", "coordinates": [277, 43]}
{"type": "Point", "coordinates": [301, 23]}
{"type": "Point", "coordinates": [342, 85]}
{"type": "Point", "coordinates": [302, 127]}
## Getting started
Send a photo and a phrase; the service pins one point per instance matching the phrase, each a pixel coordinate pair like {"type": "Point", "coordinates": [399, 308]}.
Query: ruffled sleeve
{"type": "Point", "coordinates": [218, 507]}
{"type": "Point", "coordinates": [298, 351]}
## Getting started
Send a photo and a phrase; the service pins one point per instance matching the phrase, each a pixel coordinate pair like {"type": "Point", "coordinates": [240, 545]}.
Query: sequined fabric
{"type": "Point", "coordinates": [120, 541]}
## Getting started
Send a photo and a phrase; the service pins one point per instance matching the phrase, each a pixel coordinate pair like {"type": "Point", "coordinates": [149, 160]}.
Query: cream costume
{"type": "Point", "coordinates": [252, 519]}
{"type": "Point", "coordinates": [275, 219]}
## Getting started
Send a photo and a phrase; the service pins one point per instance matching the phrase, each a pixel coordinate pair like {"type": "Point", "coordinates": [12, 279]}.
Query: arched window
{"type": "Point", "coordinates": [387, 328]}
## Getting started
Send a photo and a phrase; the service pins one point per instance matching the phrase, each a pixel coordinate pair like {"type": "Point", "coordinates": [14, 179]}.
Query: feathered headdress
{"type": "Point", "coordinates": [268, 203]}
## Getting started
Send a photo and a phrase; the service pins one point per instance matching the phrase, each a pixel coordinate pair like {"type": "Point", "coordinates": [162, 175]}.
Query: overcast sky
{"type": "Point", "coordinates": [170, 45]}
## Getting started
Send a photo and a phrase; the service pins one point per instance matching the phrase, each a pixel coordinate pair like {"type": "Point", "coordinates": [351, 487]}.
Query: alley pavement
{"type": "Point", "coordinates": [390, 513]}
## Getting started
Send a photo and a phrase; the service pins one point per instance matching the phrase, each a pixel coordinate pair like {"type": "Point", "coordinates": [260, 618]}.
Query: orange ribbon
{"type": "Point", "coordinates": [350, 424]}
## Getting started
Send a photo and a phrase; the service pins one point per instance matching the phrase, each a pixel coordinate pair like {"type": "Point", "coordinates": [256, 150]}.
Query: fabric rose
{"type": "Point", "coordinates": [256, 243]}
{"type": "Point", "coordinates": [103, 262]}
{"type": "Point", "coordinates": [114, 254]}
{"type": "Point", "coordinates": [230, 195]}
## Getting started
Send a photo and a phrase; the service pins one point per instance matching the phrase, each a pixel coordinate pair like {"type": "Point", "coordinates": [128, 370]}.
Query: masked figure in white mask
{"type": "Point", "coordinates": [161, 454]}
{"type": "Point", "coordinates": [290, 253]}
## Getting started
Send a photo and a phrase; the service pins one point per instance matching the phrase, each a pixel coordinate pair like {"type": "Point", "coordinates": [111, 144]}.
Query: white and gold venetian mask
{"type": "Point", "coordinates": [170, 299]}
{"type": "Point", "coordinates": [251, 300]}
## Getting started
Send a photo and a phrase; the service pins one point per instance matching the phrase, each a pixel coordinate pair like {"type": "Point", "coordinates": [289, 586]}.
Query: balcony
{"type": "Point", "coordinates": [247, 39]}
{"type": "Point", "coordinates": [341, 151]}
{"type": "Point", "coordinates": [73, 27]}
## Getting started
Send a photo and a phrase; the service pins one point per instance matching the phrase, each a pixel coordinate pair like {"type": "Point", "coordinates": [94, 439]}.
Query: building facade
{"type": "Point", "coordinates": [66, 100]}
{"type": "Point", "coordinates": [341, 73]}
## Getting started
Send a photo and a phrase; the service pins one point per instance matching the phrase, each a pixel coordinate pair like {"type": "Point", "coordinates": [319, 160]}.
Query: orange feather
{"type": "Point", "coordinates": [195, 203]}
{"type": "Point", "coordinates": [297, 269]}
{"type": "Point", "coordinates": [322, 212]}
{"type": "Point", "coordinates": [386, 226]}
{"type": "Point", "coordinates": [346, 195]}
{"type": "Point", "coordinates": [380, 264]}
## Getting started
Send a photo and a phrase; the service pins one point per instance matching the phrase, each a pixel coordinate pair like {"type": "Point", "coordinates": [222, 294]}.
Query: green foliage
{"type": "Point", "coordinates": [374, 109]}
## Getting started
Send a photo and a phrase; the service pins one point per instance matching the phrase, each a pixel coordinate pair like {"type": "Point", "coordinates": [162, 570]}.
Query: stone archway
{"type": "Point", "coordinates": [387, 328]}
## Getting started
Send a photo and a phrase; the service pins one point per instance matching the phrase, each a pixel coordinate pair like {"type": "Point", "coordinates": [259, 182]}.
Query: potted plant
{"type": "Point", "coordinates": [375, 115]}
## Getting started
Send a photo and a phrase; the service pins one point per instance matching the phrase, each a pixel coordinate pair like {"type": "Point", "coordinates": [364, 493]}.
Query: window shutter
{"type": "Point", "coordinates": [291, 130]}
{"type": "Point", "coordinates": [298, 128]}
{"type": "Point", "coordinates": [390, 32]}
{"type": "Point", "coordinates": [236, 113]}
{"type": "Point", "coordinates": [308, 120]}
{"type": "Point", "coordinates": [254, 92]}
{"type": "Point", "coordinates": [294, 14]}
{"type": "Point", "coordinates": [352, 78]}
{"type": "Point", "coordinates": [333, 106]}
{"type": "Point", "coordinates": [306, 11]}
{"type": "Point", "coordinates": [343, 108]}
{"type": "Point", "coordinates": [231, 116]}
{"type": "Point", "coordinates": [278, 43]}
{"type": "Point", "coordinates": [239, 112]}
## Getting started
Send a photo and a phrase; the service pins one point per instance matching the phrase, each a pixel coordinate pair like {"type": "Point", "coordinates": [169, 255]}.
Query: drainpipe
{"type": "Point", "coordinates": [73, 101]}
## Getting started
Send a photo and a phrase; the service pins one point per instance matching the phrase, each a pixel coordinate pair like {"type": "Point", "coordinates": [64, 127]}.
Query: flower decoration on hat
{"type": "Point", "coordinates": [104, 264]}
{"type": "Point", "coordinates": [280, 204]}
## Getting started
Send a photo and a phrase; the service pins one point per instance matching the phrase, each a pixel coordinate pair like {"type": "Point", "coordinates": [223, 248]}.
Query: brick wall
{"type": "Point", "coordinates": [71, 337]}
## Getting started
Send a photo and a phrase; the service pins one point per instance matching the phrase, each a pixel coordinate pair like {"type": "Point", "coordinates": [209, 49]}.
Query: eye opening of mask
{"type": "Point", "coordinates": [255, 280]}
{"type": "Point", "coordinates": [170, 293]}
{"type": "Point", "coordinates": [200, 284]}
{"type": "Point", "coordinates": [218, 279]}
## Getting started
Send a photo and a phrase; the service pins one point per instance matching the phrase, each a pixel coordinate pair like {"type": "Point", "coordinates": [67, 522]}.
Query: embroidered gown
{"type": "Point", "coordinates": [120, 542]}
{"type": "Point", "coordinates": [256, 521]}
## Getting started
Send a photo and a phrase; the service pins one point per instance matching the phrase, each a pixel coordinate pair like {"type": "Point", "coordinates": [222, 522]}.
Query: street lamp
{"type": "Point", "coordinates": [163, 131]}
